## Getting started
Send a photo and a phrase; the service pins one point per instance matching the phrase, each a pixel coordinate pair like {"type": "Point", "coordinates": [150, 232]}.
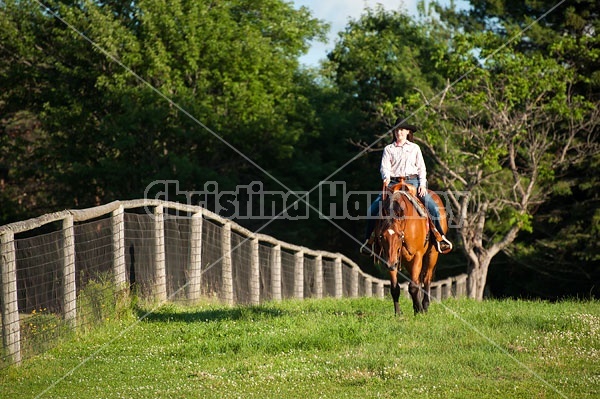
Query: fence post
{"type": "Point", "coordinates": [118, 232]}
{"type": "Point", "coordinates": [353, 282]}
{"type": "Point", "coordinates": [276, 273]}
{"type": "Point", "coordinates": [368, 282]}
{"type": "Point", "coordinates": [404, 288]}
{"type": "Point", "coordinates": [160, 270]}
{"type": "Point", "coordinates": [380, 290]}
{"type": "Point", "coordinates": [11, 331]}
{"type": "Point", "coordinates": [299, 275]}
{"type": "Point", "coordinates": [446, 288]}
{"type": "Point", "coordinates": [194, 283]}
{"type": "Point", "coordinates": [319, 276]}
{"type": "Point", "coordinates": [337, 265]}
{"type": "Point", "coordinates": [227, 270]}
{"type": "Point", "coordinates": [68, 275]}
{"type": "Point", "coordinates": [254, 273]}
{"type": "Point", "coordinates": [461, 286]}
{"type": "Point", "coordinates": [437, 288]}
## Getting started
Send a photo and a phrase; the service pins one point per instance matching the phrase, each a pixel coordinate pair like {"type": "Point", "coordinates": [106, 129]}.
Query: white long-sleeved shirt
{"type": "Point", "coordinates": [403, 160]}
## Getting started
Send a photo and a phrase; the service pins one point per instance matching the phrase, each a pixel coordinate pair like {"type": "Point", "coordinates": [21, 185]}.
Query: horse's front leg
{"type": "Point", "coordinates": [415, 293]}
{"type": "Point", "coordinates": [414, 287]}
{"type": "Point", "coordinates": [395, 291]}
{"type": "Point", "coordinates": [429, 263]}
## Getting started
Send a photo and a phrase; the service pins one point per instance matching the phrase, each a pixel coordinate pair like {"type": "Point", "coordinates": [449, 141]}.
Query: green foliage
{"type": "Point", "coordinates": [328, 349]}
{"type": "Point", "coordinates": [89, 121]}
{"type": "Point", "coordinates": [379, 57]}
{"type": "Point", "coordinates": [42, 330]}
{"type": "Point", "coordinates": [99, 302]}
{"type": "Point", "coordinates": [569, 27]}
{"type": "Point", "coordinates": [561, 256]}
{"type": "Point", "coordinates": [153, 91]}
{"type": "Point", "coordinates": [509, 117]}
{"type": "Point", "coordinates": [524, 53]}
{"type": "Point", "coordinates": [504, 221]}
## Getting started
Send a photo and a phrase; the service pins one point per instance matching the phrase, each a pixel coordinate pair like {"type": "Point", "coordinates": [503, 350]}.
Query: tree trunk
{"type": "Point", "coordinates": [477, 276]}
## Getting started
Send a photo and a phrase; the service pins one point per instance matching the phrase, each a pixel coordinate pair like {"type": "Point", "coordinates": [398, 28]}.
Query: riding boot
{"type": "Point", "coordinates": [442, 244]}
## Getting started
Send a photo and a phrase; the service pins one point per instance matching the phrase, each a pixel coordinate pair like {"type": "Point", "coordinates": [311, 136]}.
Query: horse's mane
{"type": "Point", "coordinates": [388, 220]}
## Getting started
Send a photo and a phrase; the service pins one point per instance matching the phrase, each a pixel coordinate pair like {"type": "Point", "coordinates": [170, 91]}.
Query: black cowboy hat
{"type": "Point", "coordinates": [401, 124]}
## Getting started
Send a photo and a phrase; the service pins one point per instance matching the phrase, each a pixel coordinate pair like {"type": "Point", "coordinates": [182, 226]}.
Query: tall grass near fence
{"type": "Point", "coordinates": [327, 348]}
{"type": "Point", "coordinates": [98, 302]}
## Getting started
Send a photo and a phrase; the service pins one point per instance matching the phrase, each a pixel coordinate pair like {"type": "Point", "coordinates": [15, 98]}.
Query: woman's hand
{"type": "Point", "coordinates": [421, 191]}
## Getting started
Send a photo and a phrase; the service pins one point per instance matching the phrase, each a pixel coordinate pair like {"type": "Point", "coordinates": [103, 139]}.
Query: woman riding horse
{"type": "Point", "coordinates": [402, 159]}
{"type": "Point", "coordinates": [402, 241]}
{"type": "Point", "coordinates": [402, 236]}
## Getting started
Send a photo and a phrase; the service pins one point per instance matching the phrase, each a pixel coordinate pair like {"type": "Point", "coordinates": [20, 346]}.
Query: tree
{"type": "Point", "coordinates": [25, 90]}
{"type": "Point", "coordinates": [499, 134]}
{"type": "Point", "coordinates": [118, 107]}
{"type": "Point", "coordinates": [540, 25]}
{"type": "Point", "coordinates": [550, 261]}
{"type": "Point", "coordinates": [380, 56]}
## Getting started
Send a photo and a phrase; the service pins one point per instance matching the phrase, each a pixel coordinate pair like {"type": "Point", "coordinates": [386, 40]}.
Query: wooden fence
{"type": "Point", "coordinates": [270, 270]}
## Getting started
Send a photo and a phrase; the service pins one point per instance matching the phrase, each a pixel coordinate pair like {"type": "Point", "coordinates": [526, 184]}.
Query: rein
{"type": "Point", "coordinates": [390, 228]}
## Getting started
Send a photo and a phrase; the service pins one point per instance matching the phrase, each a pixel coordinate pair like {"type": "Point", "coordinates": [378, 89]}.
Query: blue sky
{"type": "Point", "coordinates": [337, 13]}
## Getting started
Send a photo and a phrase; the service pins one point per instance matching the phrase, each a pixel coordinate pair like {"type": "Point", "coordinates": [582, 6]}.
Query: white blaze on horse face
{"type": "Point", "coordinates": [391, 232]}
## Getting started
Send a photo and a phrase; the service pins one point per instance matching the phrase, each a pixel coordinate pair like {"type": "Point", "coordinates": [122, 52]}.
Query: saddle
{"type": "Point", "coordinates": [410, 192]}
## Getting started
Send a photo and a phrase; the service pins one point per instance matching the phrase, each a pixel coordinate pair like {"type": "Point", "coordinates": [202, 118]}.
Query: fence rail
{"type": "Point", "coordinates": [171, 251]}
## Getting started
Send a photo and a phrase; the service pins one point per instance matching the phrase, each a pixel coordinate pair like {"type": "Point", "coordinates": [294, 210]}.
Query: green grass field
{"type": "Point", "coordinates": [352, 348]}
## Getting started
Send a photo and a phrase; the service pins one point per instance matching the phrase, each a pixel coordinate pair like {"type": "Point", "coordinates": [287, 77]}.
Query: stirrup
{"type": "Point", "coordinates": [447, 245]}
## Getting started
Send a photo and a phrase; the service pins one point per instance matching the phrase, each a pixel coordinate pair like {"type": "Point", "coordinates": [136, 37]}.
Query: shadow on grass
{"type": "Point", "coordinates": [172, 314]}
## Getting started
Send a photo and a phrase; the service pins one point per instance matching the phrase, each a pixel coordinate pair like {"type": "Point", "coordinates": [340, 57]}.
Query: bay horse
{"type": "Point", "coordinates": [404, 240]}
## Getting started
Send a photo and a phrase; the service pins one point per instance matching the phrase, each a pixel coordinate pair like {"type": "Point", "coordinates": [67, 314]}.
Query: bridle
{"type": "Point", "coordinates": [391, 231]}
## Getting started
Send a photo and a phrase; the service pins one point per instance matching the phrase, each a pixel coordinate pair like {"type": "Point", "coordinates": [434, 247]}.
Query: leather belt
{"type": "Point", "coordinates": [409, 177]}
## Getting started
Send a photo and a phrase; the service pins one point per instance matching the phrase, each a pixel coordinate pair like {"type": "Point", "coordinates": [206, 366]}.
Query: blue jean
{"type": "Point", "coordinates": [430, 204]}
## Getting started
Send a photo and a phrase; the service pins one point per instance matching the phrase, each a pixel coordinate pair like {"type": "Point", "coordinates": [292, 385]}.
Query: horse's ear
{"type": "Point", "coordinates": [399, 208]}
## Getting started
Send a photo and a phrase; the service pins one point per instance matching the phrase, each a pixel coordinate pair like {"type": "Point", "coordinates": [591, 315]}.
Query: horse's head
{"type": "Point", "coordinates": [390, 234]}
